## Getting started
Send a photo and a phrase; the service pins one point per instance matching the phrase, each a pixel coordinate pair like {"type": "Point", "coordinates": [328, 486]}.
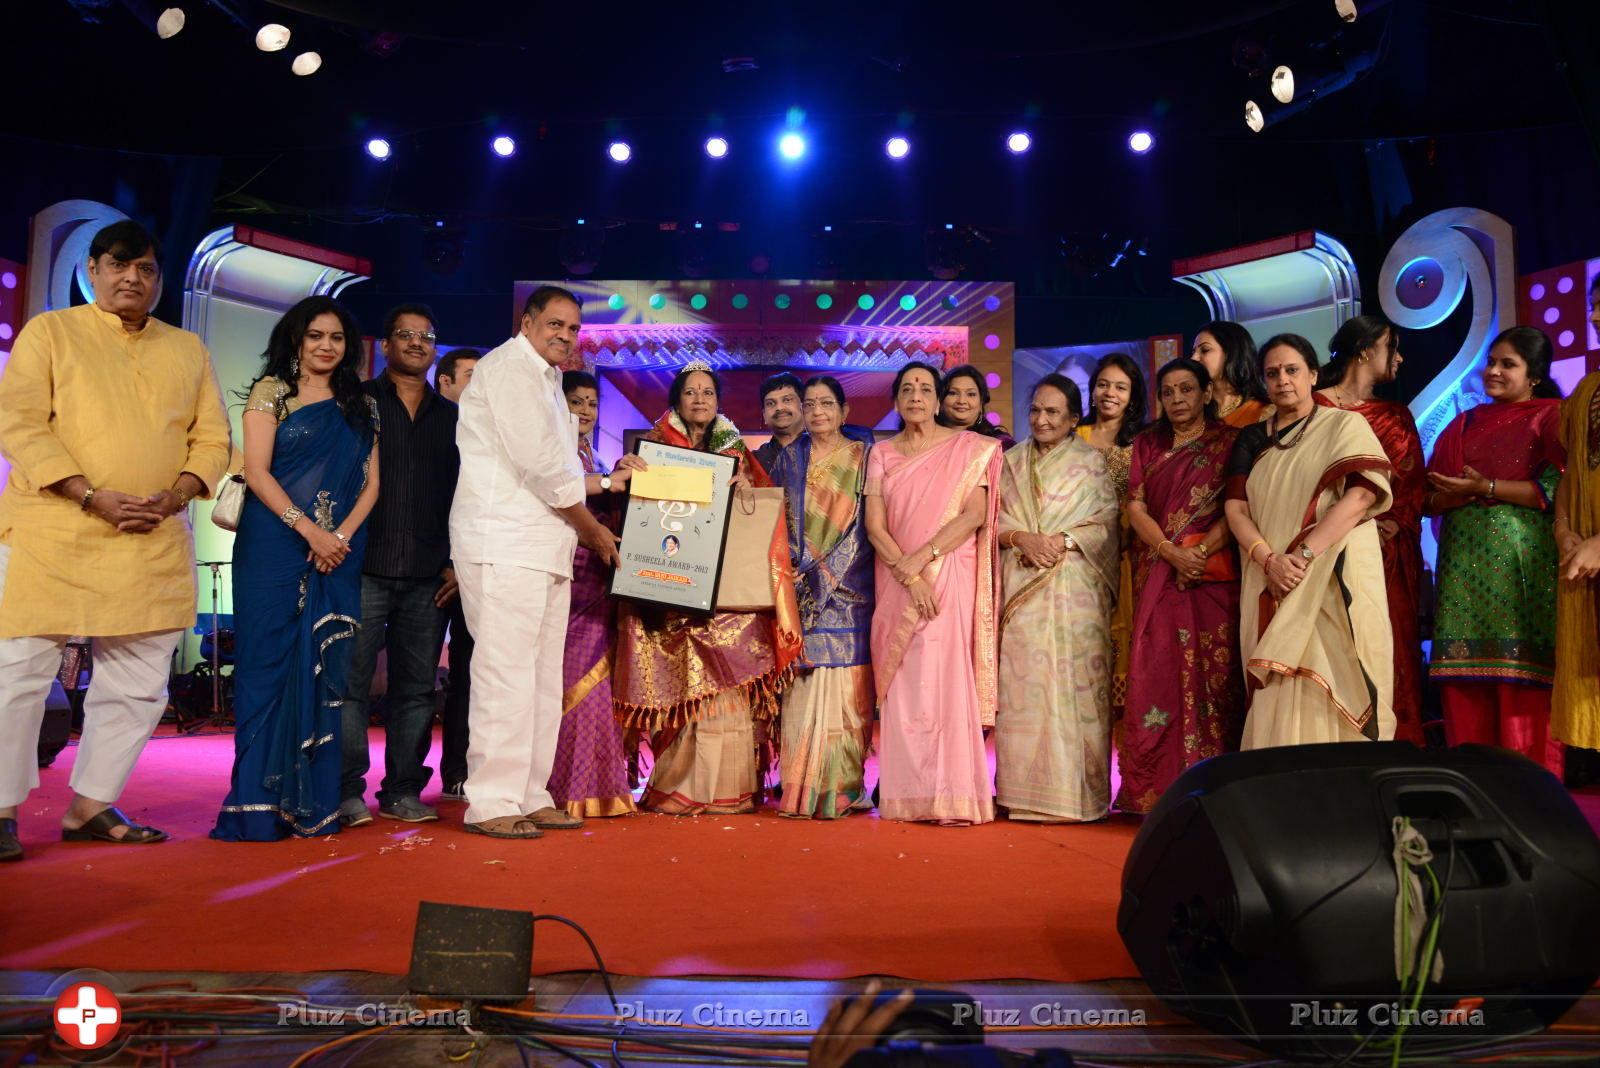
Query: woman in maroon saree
{"type": "Point", "coordinates": [1187, 614]}
{"type": "Point", "coordinates": [1364, 354]}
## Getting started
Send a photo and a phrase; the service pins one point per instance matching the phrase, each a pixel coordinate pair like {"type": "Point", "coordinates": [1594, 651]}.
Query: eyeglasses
{"type": "Point", "coordinates": [427, 337]}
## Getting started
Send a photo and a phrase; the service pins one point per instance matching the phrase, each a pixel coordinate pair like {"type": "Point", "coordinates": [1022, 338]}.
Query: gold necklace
{"type": "Point", "coordinates": [1180, 440]}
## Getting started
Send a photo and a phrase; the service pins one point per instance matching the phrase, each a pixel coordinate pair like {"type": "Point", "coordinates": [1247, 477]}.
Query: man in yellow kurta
{"type": "Point", "coordinates": [112, 421]}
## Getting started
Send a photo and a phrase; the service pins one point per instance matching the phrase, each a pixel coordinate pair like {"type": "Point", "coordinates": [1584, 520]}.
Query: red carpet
{"type": "Point", "coordinates": [742, 895]}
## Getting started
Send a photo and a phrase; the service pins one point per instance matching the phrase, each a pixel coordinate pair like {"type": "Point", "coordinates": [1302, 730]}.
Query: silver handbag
{"type": "Point", "coordinates": [229, 505]}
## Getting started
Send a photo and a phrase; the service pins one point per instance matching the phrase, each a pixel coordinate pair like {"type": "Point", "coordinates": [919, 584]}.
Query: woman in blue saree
{"type": "Point", "coordinates": [311, 465]}
{"type": "Point", "coordinates": [827, 710]}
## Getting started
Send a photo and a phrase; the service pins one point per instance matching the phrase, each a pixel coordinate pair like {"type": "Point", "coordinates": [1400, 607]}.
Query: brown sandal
{"type": "Point", "coordinates": [504, 827]}
{"type": "Point", "coordinates": [99, 828]}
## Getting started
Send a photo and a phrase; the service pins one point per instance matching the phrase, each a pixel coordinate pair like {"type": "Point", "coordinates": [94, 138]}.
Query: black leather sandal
{"type": "Point", "coordinates": [100, 827]}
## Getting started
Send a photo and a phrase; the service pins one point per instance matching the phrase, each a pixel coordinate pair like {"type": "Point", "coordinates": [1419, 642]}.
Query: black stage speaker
{"type": "Point", "coordinates": [464, 951]}
{"type": "Point", "coordinates": [55, 730]}
{"type": "Point", "coordinates": [1259, 897]}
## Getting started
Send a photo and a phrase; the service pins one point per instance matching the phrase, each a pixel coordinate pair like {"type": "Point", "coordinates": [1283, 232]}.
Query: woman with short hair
{"type": "Point", "coordinates": [1304, 487]}
{"type": "Point", "coordinates": [1058, 566]}
{"type": "Point", "coordinates": [931, 496]}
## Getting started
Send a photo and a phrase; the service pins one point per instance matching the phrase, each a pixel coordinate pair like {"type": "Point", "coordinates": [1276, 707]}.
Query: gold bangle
{"type": "Point", "coordinates": [914, 580]}
{"type": "Point", "coordinates": [1250, 553]}
{"type": "Point", "coordinates": [1164, 541]}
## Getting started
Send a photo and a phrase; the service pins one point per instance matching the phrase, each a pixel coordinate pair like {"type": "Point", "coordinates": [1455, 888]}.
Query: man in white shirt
{"type": "Point", "coordinates": [517, 519]}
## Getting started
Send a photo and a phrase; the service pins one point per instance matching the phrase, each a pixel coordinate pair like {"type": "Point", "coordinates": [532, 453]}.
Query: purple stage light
{"type": "Point", "coordinates": [1018, 143]}
{"type": "Point", "coordinates": [991, 342]}
{"type": "Point", "coordinates": [1566, 339]}
{"type": "Point", "coordinates": [1141, 141]}
{"type": "Point", "coordinates": [993, 380]}
{"type": "Point", "coordinates": [1565, 285]}
{"type": "Point", "coordinates": [378, 148]}
{"type": "Point", "coordinates": [1551, 315]}
{"type": "Point", "coordinates": [8, 280]}
{"type": "Point", "coordinates": [1536, 292]}
{"type": "Point", "coordinates": [897, 148]}
{"type": "Point", "coordinates": [619, 151]}
{"type": "Point", "coordinates": [716, 147]}
{"type": "Point", "coordinates": [504, 146]}
{"type": "Point", "coordinates": [994, 418]}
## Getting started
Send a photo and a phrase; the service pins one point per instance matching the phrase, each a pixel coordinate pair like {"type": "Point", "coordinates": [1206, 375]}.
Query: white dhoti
{"type": "Point", "coordinates": [518, 619]}
{"type": "Point", "coordinates": [125, 701]}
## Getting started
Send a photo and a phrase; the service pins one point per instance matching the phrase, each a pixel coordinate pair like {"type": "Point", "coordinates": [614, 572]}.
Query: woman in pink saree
{"type": "Point", "coordinates": [931, 496]}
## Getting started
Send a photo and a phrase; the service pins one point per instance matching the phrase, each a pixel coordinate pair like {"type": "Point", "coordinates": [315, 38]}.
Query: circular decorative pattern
{"type": "Point", "coordinates": [616, 302]}
{"type": "Point", "coordinates": [1419, 283]}
{"type": "Point", "coordinates": [992, 303]}
{"type": "Point", "coordinates": [1552, 314]}
{"type": "Point", "coordinates": [950, 303]}
{"type": "Point", "coordinates": [1564, 285]}
{"type": "Point", "coordinates": [824, 301]}
{"type": "Point", "coordinates": [5, 331]}
{"type": "Point", "coordinates": [657, 301]}
{"type": "Point", "coordinates": [1566, 339]}
{"type": "Point", "coordinates": [993, 380]}
{"type": "Point", "coordinates": [994, 418]}
{"type": "Point", "coordinates": [991, 342]}
{"type": "Point", "coordinates": [908, 303]}
{"type": "Point", "coordinates": [698, 301]}
{"type": "Point", "coordinates": [781, 300]}
{"type": "Point", "coordinates": [8, 280]}
{"type": "Point", "coordinates": [865, 302]}
{"type": "Point", "coordinates": [1536, 291]}
{"type": "Point", "coordinates": [740, 301]}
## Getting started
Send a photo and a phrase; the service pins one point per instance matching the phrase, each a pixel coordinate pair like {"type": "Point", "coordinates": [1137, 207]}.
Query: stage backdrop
{"type": "Point", "coordinates": [638, 334]}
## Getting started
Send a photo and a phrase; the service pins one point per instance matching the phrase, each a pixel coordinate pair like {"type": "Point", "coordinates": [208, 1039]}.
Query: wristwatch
{"type": "Point", "coordinates": [1066, 539]}
{"type": "Point", "coordinates": [934, 549]}
{"type": "Point", "coordinates": [1307, 554]}
{"type": "Point", "coordinates": [605, 483]}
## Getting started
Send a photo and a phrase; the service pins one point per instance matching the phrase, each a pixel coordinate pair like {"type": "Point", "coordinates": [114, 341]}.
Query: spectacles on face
{"type": "Point", "coordinates": [427, 337]}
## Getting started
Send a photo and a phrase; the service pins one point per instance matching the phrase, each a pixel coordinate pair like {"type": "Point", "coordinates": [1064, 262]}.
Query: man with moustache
{"type": "Point", "coordinates": [112, 422]}
{"type": "Point", "coordinates": [780, 410]}
{"type": "Point", "coordinates": [518, 518]}
{"type": "Point", "coordinates": [455, 371]}
{"type": "Point", "coordinates": [407, 577]}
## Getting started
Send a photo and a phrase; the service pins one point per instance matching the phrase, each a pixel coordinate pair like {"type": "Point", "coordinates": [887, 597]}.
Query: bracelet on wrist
{"type": "Point", "coordinates": [87, 497]}
{"type": "Point", "coordinates": [291, 516]}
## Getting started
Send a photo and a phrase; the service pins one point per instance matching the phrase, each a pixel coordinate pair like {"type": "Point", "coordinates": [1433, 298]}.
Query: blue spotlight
{"type": "Point", "coordinates": [897, 147]}
{"type": "Point", "coordinates": [378, 148]}
{"type": "Point", "coordinates": [791, 146]}
{"type": "Point", "coordinates": [619, 151]}
{"type": "Point", "coordinates": [1018, 143]}
{"type": "Point", "coordinates": [716, 147]}
{"type": "Point", "coordinates": [504, 146]}
{"type": "Point", "coordinates": [1141, 141]}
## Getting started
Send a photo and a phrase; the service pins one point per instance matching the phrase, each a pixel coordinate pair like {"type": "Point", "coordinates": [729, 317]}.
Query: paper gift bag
{"type": "Point", "coordinates": [755, 523]}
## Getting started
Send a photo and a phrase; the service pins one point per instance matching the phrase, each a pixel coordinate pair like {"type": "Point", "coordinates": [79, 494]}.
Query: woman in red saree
{"type": "Point", "coordinates": [931, 499]}
{"type": "Point", "coordinates": [1186, 691]}
{"type": "Point", "coordinates": [707, 690]}
{"type": "Point", "coordinates": [1364, 354]}
{"type": "Point", "coordinates": [1228, 353]}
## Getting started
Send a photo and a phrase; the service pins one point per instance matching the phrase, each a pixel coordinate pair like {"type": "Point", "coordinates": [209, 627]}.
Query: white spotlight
{"type": "Point", "coordinates": [1253, 117]}
{"type": "Point", "coordinates": [791, 146]}
{"type": "Point", "coordinates": [1141, 141]}
{"type": "Point", "coordinates": [897, 147]}
{"type": "Point", "coordinates": [1018, 143]}
{"type": "Point", "coordinates": [378, 148]}
{"type": "Point", "coordinates": [169, 23]}
{"type": "Point", "coordinates": [306, 63]}
{"type": "Point", "coordinates": [504, 146]}
{"type": "Point", "coordinates": [619, 151]}
{"type": "Point", "coordinates": [1283, 85]}
{"type": "Point", "coordinates": [272, 37]}
{"type": "Point", "coordinates": [1346, 9]}
{"type": "Point", "coordinates": [716, 147]}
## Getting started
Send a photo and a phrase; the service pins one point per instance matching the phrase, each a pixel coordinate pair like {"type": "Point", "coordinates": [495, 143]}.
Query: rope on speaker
{"type": "Point", "coordinates": [1411, 851]}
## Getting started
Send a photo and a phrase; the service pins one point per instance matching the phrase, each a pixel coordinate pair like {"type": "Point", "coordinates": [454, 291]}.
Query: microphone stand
{"type": "Point", "coordinates": [216, 567]}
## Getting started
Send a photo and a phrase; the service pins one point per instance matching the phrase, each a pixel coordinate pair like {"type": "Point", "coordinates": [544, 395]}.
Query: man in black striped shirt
{"type": "Point", "coordinates": [406, 580]}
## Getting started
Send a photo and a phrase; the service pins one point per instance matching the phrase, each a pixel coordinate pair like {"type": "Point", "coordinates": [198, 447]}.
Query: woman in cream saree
{"type": "Point", "coordinates": [1059, 569]}
{"type": "Point", "coordinates": [1304, 487]}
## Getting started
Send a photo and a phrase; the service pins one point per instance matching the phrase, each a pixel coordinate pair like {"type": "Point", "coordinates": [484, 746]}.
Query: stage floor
{"type": "Point", "coordinates": [754, 895]}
